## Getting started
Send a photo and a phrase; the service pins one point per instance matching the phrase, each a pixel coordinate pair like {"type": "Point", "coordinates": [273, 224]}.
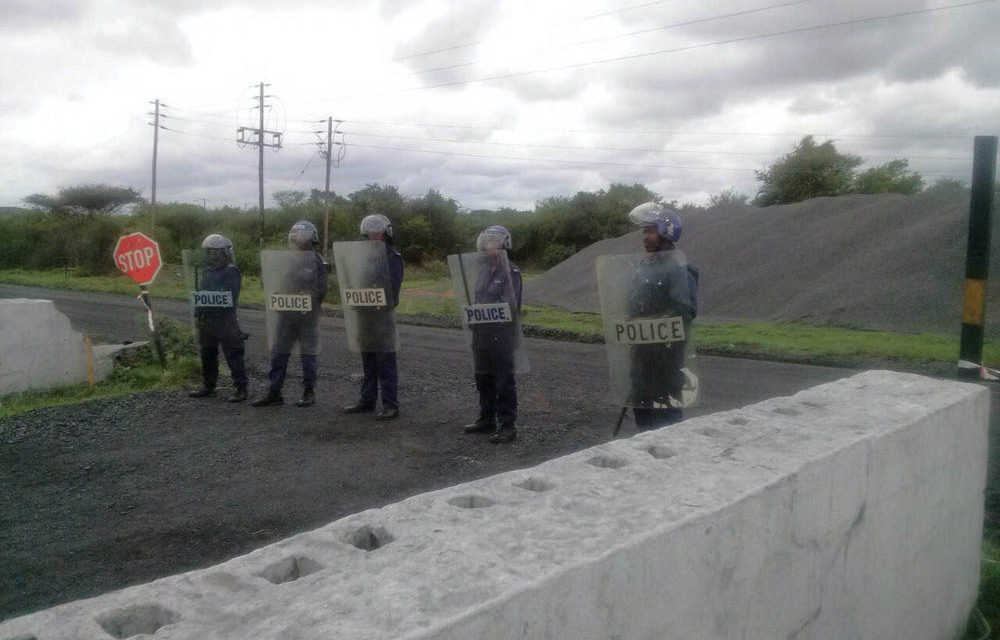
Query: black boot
{"type": "Point", "coordinates": [481, 425]}
{"type": "Point", "coordinates": [204, 392]}
{"type": "Point", "coordinates": [387, 413]}
{"type": "Point", "coordinates": [273, 398]}
{"type": "Point", "coordinates": [358, 408]}
{"type": "Point", "coordinates": [308, 398]}
{"type": "Point", "coordinates": [239, 395]}
{"type": "Point", "coordinates": [505, 433]}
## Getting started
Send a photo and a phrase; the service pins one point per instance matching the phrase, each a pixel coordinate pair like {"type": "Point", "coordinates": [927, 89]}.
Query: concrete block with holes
{"type": "Point", "coordinates": [850, 510]}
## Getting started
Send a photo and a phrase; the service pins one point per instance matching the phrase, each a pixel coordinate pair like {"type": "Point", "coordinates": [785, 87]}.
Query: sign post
{"type": "Point", "coordinates": [138, 257]}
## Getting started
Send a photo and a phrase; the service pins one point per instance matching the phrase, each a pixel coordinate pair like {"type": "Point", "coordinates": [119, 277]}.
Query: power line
{"type": "Point", "coordinates": [584, 19]}
{"type": "Point", "coordinates": [624, 149]}
{"type": "Point", "coordinates": [301, 173]}
{"type": "Point", "coordinates": [585, 162]}
{"type": "Point", "coordinates": [662, 131]}
{"type": "Point", "coordinates": [635, 33]}
{"type": "Point", "coordinates": [194, 135]}
{"type": "Point", "coordinates": [705, 45]}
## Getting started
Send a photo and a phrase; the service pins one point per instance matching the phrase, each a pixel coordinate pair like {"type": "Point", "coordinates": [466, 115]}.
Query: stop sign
{"type": "Point", "coordinates": [138, 257]}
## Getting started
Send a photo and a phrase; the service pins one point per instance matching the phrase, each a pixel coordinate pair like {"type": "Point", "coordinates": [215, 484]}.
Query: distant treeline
{"type": "Point", "coordinates": [427, 228]}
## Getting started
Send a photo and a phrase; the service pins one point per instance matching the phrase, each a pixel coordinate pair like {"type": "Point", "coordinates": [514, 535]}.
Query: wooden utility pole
{"type": "Point", "coordinates": [326, 191]}
{"type": "Point", "coordinates": [156, 143]}
{"type": "Point", "coordinates": [260, 164]}
{"type": "Point", "coordinates": [257, 138]}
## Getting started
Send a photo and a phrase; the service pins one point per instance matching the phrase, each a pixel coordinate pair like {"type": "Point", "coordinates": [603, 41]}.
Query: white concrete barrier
{"type": "Point", "coordinates": [40, 350]}
{"type": "Point", "coordinates": [850, 510]}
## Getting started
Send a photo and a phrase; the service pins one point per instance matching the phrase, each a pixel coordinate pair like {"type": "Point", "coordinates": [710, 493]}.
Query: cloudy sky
{"type": "Point", "coordinates": [491, 103]}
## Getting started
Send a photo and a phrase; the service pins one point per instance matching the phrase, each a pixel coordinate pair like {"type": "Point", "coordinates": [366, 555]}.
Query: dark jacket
{"type": "Point", "coordinates": [493, 286]}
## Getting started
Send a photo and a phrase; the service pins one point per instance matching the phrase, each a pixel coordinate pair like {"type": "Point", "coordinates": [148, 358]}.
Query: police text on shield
{"type": "Point", "coordinates": [223, 299]}
{"type": "Point", "coordinates": [486, 313]}
{"type": "Point", "coordinates": [649, 331]}
{"type": "Point", "coordinates": [364, 297]}
{"type": "Point", "coordinates": [289, 302]}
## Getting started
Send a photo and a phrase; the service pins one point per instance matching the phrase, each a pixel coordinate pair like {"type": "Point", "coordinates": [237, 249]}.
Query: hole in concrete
{"type": "Point", "coordinates": [785, 411]}
{"type": "Point", "coordinates": [368, 538]}
{"type": "Point", "coordinates": [660, 452]}
{"type": "Point", "coordinates": [132, 621]}
{"type": "Point", "coordinates": [607, 462]}
{"type": "Point", "coordinates": [22, 638]}
{"type": "Point", "coordinates": [535, 484]}
{"type": "Point", "coordinates": [471, 502]}
{"type": "Point", "coordinates": [739, 422]}
{"type": "Point", "coordinates": [712, 433]}
{"type": "Point", "coordinates": [289, 569]}
{"type": "Point", "coordinates": [814, 405]}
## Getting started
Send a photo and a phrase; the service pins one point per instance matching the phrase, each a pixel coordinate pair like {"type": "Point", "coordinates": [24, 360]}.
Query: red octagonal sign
{"type": "Point", "coordinates": [138, 257]}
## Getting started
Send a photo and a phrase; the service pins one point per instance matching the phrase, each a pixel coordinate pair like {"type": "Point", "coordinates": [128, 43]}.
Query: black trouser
{"type": "Point", "coordinates": [224, 332]}
{"type": "Point", "coordinates": [380, 370]}
{"type": "Point", "coordinates": [496, 385]}
{"type": "Point", "coordinates": [291, 328]}
{"type": "Point", "coordinates": [648, 419]}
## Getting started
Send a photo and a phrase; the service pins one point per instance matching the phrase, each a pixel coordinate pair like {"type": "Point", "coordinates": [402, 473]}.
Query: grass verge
{"type": "Point", "coordinates": [988, 602]}
{"type": "Point", "coordinates": [426, 297]}
{"type": "Point", "coordinates": [136, 370]}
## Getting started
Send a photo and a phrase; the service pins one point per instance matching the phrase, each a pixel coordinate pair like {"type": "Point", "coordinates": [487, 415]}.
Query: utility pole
{"type": "Point", "coordinates": [257, 138]}
{"type": "Point", "coordinates": [156, 142]}
{"type": "Point", "coordinates": [977, 259]}
{"type": "Point", "coordinates": [327, 154]}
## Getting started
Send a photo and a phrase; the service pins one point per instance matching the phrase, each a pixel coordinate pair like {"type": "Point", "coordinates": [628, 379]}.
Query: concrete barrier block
{"type": "Point", "coordinates": [851, 510]}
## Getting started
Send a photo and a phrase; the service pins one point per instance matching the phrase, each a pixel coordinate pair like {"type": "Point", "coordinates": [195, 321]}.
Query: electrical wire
{"type": "Point", "coordinates": [624, 149]}
{"type": "Point", "coordinates": [663, 131]}
{"type": "Point", "coordinates": [301, 173]}
{"type": "Point", "coordinates": [633, 33]}
{"type": "Point", "coordinates": [196, 135]}
{"type": "Point", "coordinates": [648, 54]}
{"type": "Point", "coordinates": [557, 24]}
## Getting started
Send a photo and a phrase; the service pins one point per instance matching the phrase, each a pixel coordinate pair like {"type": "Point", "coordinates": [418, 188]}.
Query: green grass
{"type": "Point", "coordinates": [988, 602]}
{"type": "Point", "coordinates": [426, 291]}
{"type": "Point", "coordinates": [125, 379]}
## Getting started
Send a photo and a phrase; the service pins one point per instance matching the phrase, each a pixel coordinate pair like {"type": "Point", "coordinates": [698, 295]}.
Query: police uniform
{"type": "Point", "coordinates": [494, 346]}
{"type": "Point", "coordinates": [301, 327]}
{"type": "Point", "coordinates": [219, 326]}
{"type": "Point", "coordinates": [380, 368]}
{"type": "Point", "coordinates": [661, 287]}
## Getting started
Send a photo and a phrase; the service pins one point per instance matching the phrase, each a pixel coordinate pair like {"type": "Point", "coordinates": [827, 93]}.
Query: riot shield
{"type": "Point", "coordinates": [366, 294]}
{"type": "Point", "coordinates": [208, 292]}
{"type": "Point", "coordinates": [488, 301]}
{"type": "Point", "coordinates": [647, 304]}
{"type": "Point", "coordinates": [292, 285]}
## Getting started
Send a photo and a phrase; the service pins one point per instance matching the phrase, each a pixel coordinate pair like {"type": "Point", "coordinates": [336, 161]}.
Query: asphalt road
{"type": "Point", "coordinates": [108, 493]}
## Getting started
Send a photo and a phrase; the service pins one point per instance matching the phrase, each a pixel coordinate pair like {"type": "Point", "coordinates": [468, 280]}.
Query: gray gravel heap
{"type": "Point", "coordinates": [887, 262]}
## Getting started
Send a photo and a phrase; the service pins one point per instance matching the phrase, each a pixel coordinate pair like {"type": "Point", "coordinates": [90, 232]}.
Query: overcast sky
{"type": "Point", "coordinates": [491, 103]}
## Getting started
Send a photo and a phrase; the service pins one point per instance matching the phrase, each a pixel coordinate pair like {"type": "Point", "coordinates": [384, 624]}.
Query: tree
{"type": "Point", "coordinates": [86, 200]}
{"type": "Point", "coordinates": [728, 197]}
{"type": "Point", "coordinates": [891, 177]}
{"type": "Point", "coordinates": [810, 171]}
{"type": "Point", "coordinates": [288, 198]}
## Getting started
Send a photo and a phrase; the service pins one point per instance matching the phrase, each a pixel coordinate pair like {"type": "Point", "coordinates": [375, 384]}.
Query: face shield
{"type": "Point", "coordinates": [300, 239]}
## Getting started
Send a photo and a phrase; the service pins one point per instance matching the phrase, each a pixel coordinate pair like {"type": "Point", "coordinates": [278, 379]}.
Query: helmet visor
{"type": "Point", "coordinates": [300, 238]}
{"type": "Point", "coordinates": [647, 214]}
{"type": "Point", "coordinates": [489, 241]}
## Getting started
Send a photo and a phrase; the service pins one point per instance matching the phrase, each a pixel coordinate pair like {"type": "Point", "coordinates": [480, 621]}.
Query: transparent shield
{"type": "Point", "coordinates": [292, 296]}
{"type": "Point", "coordinates": [209, 290]}
{"type": "Point", "coordinates": [486, 295]}
{"type": "Point", "coordinates": [366, 295]}
{"type": "Point", "coordinates": [647, 305]}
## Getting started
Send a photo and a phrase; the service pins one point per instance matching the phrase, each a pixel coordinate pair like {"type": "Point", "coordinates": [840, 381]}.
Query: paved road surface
{"type": "Point", "coordinates": [109, 493]}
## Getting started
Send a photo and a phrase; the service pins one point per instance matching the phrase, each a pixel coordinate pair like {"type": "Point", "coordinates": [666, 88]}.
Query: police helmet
{"type": "Point", "coordinates": [219, 243]}
{"type": "Point", "coordinates": [375, 223]}
{"type": "Point", "coordinates": [654, 214]}
{"type": "Point", "coordinates": [495, 237]}
{"type": "Point", "coordinates": [303, 235]}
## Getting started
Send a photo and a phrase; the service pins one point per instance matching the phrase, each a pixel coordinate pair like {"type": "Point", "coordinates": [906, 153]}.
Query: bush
{"type": "Point", "coordinates": [556, 253]}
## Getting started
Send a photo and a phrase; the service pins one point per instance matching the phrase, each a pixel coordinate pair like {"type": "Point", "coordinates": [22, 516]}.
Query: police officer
{"type": "Point", "coordinates": [661, 286]}
{"type": "Point", "coordinates": [379, 367]}
{"type": "Point", "coordinates": [494, 344]}
{"type": "Point", "coordinates": [310, 275]}
{"type": "Point", "coordinates": [218, 326]}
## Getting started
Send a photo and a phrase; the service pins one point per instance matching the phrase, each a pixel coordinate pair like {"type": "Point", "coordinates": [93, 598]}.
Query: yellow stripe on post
{"type": "Point", "coordinates": [973, 302]}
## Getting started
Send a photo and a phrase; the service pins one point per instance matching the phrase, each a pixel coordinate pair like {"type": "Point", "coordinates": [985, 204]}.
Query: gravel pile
{"type": "Point", "coordinates": [887, 262]}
